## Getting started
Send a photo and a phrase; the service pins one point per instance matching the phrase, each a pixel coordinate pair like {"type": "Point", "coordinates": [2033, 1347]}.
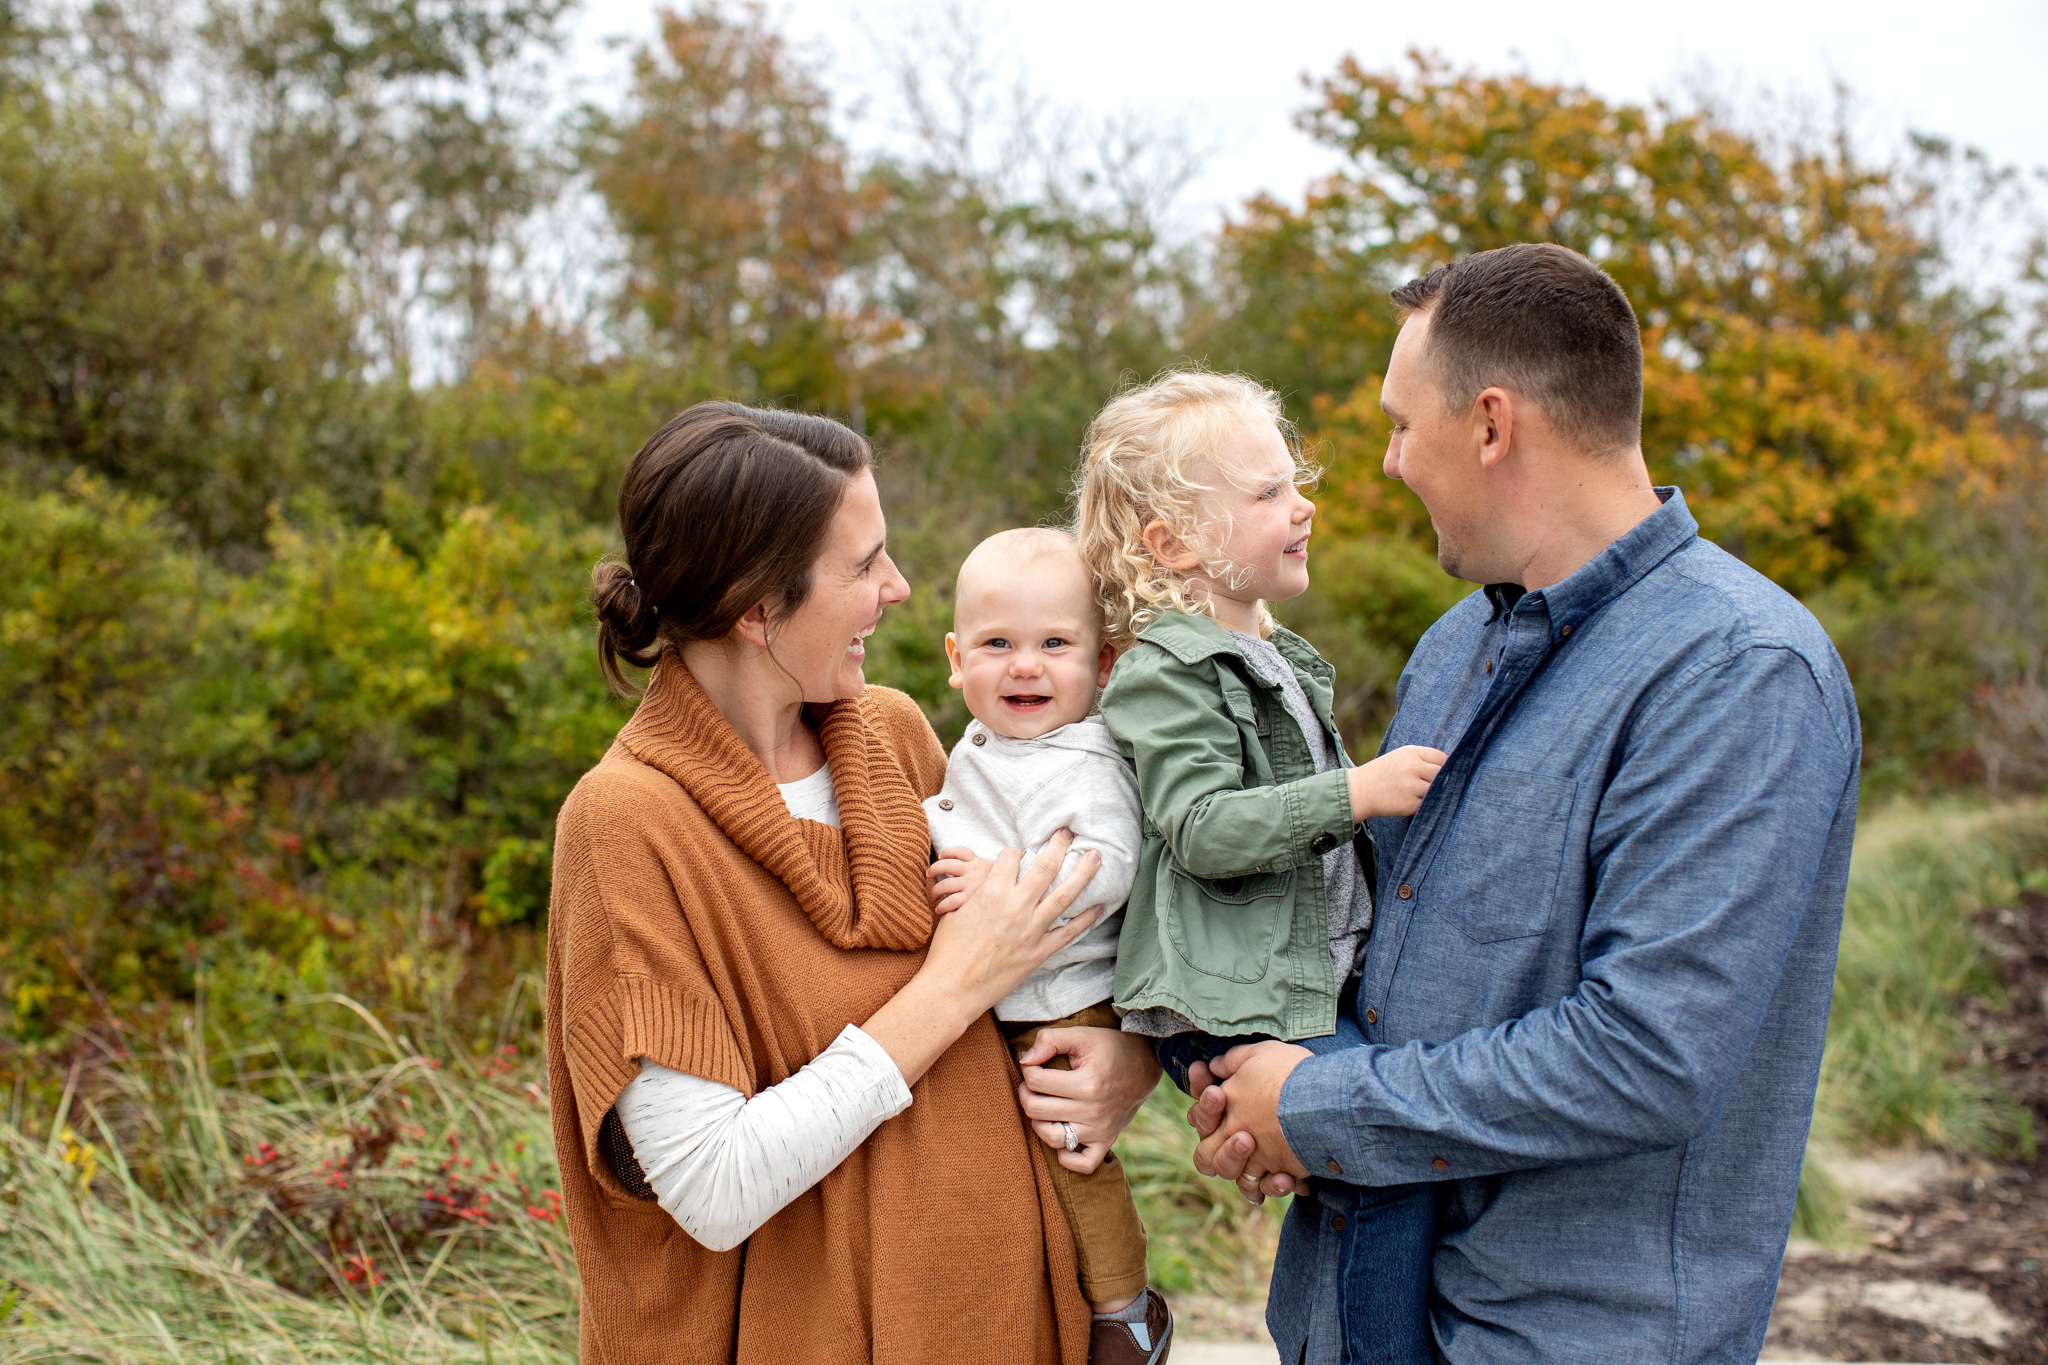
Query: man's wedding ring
{"type": "Point", "coordinates": [1073, 1138]}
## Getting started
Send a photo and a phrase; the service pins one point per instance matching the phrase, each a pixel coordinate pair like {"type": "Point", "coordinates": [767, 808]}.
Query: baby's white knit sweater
{"type": "Point", "coordinates": [1014, 793]}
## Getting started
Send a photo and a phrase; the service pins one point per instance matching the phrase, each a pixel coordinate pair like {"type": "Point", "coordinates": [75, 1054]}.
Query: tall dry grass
{"type": "Point", "coordinates": [1902, 1067]}
{"type": "Point", "coordinates": [192, 1207]}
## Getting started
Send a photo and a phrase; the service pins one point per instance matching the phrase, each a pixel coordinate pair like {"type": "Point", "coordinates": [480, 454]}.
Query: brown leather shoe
{"type": "Point", "coordinates": [1131, 1343]}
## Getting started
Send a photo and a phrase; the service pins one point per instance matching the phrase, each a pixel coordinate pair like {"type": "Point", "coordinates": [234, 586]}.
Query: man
{"type": "Point", "coordinates": [1594, 999]}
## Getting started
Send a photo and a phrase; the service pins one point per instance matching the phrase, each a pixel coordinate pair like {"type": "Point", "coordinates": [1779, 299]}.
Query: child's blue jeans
{"type": "Point", "coordinates": [1389, 1231]}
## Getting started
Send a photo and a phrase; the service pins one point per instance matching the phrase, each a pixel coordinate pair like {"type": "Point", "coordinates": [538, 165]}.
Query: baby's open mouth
{"type": "Point", "coordinates": [1027, 701]}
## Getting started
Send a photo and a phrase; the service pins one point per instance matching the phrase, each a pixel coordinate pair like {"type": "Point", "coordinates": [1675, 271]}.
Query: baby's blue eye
{"type": "Point", "coordinates": [1056, 642]}
{"type": "Point", "coordinates": [998, 642]}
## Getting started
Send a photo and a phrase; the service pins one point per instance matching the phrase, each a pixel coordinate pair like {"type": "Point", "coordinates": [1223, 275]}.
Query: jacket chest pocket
{"type": "Point", "coordinates": [1495, 874]}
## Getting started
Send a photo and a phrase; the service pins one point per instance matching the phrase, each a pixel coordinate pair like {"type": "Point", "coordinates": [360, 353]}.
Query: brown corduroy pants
{"type": "Point", "coordinates": [1109, 1239]}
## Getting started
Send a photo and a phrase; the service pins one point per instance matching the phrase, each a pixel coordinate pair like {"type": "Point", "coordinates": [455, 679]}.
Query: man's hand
{"type": "Point", "coordinates": [956, 873]}
{"type": "Point", "coordinates": [1254, 1183]}
{"type": "Point", "coordinates": [1108, 1076]}
{"type": "Point", "coordinates": [1240, 1118]}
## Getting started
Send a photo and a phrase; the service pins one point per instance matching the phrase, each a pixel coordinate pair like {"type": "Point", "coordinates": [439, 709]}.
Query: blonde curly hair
{"type": "Point", "coordinates": [1150, 456]}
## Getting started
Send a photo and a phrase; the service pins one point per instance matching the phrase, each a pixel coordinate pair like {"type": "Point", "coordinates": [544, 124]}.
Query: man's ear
{"type": "Point", "coordinates": [953, 658]}
{"type": "Point", "coordinates": [1493, 418]}
{"type": "Point", "coordinates": [1104, 661]}
{"type": "Point", "coordinates": [1167, 549]}
{"type": "Point", "coordinates": [754, 627]}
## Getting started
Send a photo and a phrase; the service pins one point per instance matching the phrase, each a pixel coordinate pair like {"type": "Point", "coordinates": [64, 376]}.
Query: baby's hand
{"type": "Point", "coordinates": [957, 874]}
{"type": "Point", "coordinates": [1394, 783]}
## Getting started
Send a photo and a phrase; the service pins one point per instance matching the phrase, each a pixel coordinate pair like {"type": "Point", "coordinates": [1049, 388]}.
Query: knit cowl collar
{"type": "Point", "coordinates": [863, 884]}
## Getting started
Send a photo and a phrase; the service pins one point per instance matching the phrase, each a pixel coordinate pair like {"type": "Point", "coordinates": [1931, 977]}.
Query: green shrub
{"type": "Point", "coordinates": [338, 772]}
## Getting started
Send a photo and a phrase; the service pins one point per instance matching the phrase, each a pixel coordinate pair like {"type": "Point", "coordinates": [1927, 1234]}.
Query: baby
{"type": "Point", "coordinates": [1027, 649]}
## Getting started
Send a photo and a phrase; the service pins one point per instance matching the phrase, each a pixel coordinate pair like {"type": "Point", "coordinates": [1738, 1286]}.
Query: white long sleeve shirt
{"type": "Point", "coordinates": [1014, 793]}
{"type": "Point", "coordinates": [723, 1164]}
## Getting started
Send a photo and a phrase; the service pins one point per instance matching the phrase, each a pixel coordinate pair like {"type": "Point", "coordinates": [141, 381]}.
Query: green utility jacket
{"type": "Point", "coordinates": [1227, 922]}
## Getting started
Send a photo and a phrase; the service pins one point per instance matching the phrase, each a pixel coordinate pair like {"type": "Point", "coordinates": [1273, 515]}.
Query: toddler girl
{"type": "Point", "coordinates": [1252, 901]}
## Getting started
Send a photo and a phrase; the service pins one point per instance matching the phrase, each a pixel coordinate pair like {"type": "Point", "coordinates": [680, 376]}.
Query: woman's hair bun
{"type": "Point", "coordinates": [724, 509]}
{"type": "Point", "coordinates": [627, 620]}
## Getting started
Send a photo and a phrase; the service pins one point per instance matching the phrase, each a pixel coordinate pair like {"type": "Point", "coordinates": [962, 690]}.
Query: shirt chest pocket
{"type": "Point", "coordinates": [1495, 877]}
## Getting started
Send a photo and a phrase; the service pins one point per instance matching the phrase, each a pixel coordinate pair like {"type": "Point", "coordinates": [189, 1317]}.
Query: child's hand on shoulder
{"type": "Point", "coordinates": [1395, 782]}
{"type": "Point", "coordinates": [956, 874]}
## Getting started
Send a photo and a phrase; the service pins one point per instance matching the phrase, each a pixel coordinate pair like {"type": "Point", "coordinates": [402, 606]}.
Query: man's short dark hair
{"type": "Point", "coordinates": [1541, 321]}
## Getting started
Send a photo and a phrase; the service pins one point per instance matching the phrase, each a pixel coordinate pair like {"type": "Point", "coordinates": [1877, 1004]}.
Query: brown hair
{"type": "Point", "coordinates": [1545, 322]}
{"type": "Point", "coordinates": [724, 507]}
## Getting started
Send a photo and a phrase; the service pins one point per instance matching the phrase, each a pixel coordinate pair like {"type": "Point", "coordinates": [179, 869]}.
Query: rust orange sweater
{"type": "Point", "coordinates": [695, 923]}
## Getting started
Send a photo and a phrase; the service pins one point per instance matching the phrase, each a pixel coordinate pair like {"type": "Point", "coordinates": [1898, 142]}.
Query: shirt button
{"type": "Point", "coordinates": [1338, 1222]}
{"type": "Point", "coordinates": [981, 739]}
{"type": "Point", "coordinates": [1372, 1016]}
{"type": "Point", "coordinates": [1489, 665]}
{"type": "Point", "coordinates": [945, 804]}
{"type": "Point", "coordinates": [1440, 1164]}
{"type": "Point", "coordinates": [1335, 1169]}
{"type": "Point", "coordinates": [1322, 843]}
{"type": "Point", "coordinates": [1564, 630]}
{"type": "Point", "coordinates": [1406, 892]}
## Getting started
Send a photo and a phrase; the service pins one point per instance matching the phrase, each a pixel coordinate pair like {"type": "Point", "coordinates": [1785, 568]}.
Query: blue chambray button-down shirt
{"type": "Point", "coordinates": [1594, 1002]}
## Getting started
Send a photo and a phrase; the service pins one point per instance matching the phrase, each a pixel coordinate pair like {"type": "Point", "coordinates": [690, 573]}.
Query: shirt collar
{"type": "Point", "coordinates": [1614, 570]}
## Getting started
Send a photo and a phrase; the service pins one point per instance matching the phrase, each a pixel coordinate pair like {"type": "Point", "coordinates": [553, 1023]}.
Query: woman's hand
{"type": "Point", "coordinates": [1111, 1075]}
{"type": "Point", "coordinates": [980, 952]}
{"type": "Point", "coordinates": [1007, 927]}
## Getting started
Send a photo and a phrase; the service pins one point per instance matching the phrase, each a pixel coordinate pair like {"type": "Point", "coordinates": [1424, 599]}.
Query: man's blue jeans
{"type": "Point", "coordinates": [1388, 1233]}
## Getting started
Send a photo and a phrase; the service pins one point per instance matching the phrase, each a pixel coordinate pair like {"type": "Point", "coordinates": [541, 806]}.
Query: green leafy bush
{"type": "Point", "coordinates": [324, 774]}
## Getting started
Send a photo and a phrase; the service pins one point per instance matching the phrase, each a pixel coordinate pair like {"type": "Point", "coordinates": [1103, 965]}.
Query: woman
{"type": "Point", "coordinates": [782, 1110]}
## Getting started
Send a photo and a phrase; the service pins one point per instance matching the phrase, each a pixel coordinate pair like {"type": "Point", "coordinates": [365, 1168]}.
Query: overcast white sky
{"type": "Point", "coordinates": [1230, 73]}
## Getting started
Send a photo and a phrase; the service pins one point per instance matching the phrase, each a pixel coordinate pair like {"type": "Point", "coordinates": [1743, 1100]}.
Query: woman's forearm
{"type": "Point", "coordinates": [920, 1022]}
{"type": "Point", "coordinates": [723, 1164]}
